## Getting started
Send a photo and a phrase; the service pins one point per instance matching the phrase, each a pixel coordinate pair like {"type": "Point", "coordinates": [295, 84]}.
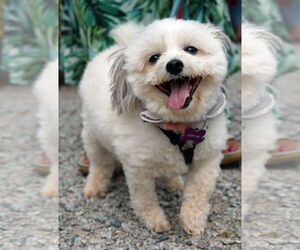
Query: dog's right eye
{"type": "Point", "coordinates": [191, 49]}
{"type": "Point", "coordinates": [153, 59]}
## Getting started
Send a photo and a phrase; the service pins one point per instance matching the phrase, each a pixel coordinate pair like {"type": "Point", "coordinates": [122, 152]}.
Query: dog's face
{"type": "Point", "coordinates": [259, 64]}
{"type": "Point", "coordinates": [174, 68]}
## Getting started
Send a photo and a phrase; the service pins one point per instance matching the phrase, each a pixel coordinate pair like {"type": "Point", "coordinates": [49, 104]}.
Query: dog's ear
{"type": "Point", "coordinates": [224, 39]}
{"type": "Point", "coordinates": [274, 42]}
{"type": "Point", "coordinates": [122, 97]}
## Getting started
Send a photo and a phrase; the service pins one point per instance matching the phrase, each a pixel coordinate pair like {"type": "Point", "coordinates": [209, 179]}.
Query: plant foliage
{"type": "Point", "coordinates": [31, 38]}
{"type": "Point", "coordinates": [85, 25]}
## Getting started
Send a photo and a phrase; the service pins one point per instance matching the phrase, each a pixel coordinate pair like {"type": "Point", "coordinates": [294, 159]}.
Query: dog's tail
{"type": "Point", "coordinates": [124, 32]}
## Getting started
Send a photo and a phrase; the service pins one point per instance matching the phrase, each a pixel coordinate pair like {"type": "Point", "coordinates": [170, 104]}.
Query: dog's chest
{"type": "Point", "coordinates": [141, 145]}
{"type": "Point", "coordinates": [169, 156]}
{"type": "Point", "coordinates": [173, 161]}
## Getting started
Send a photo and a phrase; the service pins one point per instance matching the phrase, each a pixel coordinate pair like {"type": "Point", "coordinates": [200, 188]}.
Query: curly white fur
{"type": "Point", "coordinates": [112, 127]}
{"type": "Point", "coordinates": [46, 92]}
{"type": "Point", "coordinates": [259, 66]}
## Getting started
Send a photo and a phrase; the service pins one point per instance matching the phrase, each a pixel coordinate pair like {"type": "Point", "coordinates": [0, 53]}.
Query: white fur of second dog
{"type": "Point", "coordinates": [112, 128]}
{"type": "Point", "coordinates": [46, 93]}
{"type": "Point", "coordinates": [259, 134]}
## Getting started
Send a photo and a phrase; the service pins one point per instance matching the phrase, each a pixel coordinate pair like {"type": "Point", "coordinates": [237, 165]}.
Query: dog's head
{"type": "Point", "coordinates": [173, 68]}
{"type": "Point", "coordinates": [259, 63]}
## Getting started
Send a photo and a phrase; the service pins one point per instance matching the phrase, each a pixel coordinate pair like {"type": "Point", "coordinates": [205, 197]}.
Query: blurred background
{"type": "Point", "coordinates": [28, 41]}
{"type": "Point", "coordinates": [272, 220]}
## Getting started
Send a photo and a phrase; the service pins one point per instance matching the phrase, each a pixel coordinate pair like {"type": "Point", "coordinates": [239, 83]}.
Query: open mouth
{"type": "Point", "coordinates": [180, 91]}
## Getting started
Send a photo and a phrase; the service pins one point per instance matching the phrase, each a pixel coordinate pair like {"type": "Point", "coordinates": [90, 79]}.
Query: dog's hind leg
{"type": "Point", "coordinates": [50, 188]}
{"type": "Point", "coordinates": [101, 168]}
{"type": "Point", "coordinates": [48, 136]}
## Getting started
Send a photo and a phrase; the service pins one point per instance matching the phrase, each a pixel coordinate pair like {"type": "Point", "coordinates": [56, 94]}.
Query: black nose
{"type": "Point", "coordinates": [174, 66]}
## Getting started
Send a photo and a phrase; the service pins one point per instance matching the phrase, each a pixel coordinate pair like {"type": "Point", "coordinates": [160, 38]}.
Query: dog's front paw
{"type": "Point", "coordinates": [95, 187]}
{"type": "Point", "coordinates": [158, 225]}
{"type": "Point", "coordinates": [194, 219]}
{"type": "Point", "coordinates": [154, 218]}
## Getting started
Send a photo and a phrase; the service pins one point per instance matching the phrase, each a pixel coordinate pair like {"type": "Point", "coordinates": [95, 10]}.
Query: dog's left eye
{"type": "Point", "coordinates": [153, 59]}
{"type": "Point", "coordinates": [191, 49]}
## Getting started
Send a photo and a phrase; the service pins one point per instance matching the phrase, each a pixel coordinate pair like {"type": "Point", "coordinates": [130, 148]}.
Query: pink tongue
{"type": "Point", "coordinates": [179, 93]}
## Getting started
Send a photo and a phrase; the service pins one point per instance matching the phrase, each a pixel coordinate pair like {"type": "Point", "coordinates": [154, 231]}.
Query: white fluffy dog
{"type": "Point", "coordinates": [46, 92]}
{"type": "Point", "coordinates": [259, 66]}
{"type": "Point", "coordinates": [168, 74]}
